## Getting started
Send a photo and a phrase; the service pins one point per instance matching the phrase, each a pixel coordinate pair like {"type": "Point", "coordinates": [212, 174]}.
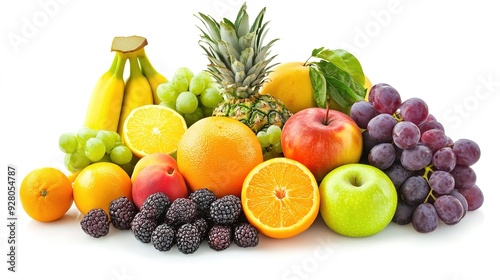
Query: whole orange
{"type": "Point", "coordinates": [46, 194]}
{"type": "Point", "coordinates": [98, 184]}
{"type": "Point", "coordinates": [217, 153]}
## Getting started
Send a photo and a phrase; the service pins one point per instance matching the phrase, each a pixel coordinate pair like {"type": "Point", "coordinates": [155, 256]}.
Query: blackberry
{"type": "Point", "coordinates": [246, 235]}
{"type": "Point", "coordinates": [142, 227]}
{"type": "Point", "coordinates": [122, 212]}
{"type": "Point", "coordinates": [181, 211]}
{"type": "Point", "coordinates": [203, 198]}
{"type": "Point", "coordinates": [163, 237]}
{"type": "Point", "coordinates": [220, 237]}
{"type": "Point", "coordinates": [95, 223]}
{"type": "Point", "coordinates": [155, 206]}
{"type": "Point", "coordinates": [203, 225]}
{"type": "Point", "coordinates": [188, 238]}
{"type": "Point", "coordinates": [226, 210]}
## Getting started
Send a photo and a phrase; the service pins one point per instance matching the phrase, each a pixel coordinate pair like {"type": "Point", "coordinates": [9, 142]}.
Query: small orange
{"type": "Point", "coordinates": [98, 184]}
{"type": "Point", "coordinates": [153, 129]}
{"type": "Point", "coordinates": [217, 153]}
{"type": "Point", "coordinates": [46, 194]}
{"type": "Point", "coordinates": [280, 197]}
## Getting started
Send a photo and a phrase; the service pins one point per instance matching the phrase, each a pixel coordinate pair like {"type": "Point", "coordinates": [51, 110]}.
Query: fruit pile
{"type": "Point", "coordinates": [432, 173]}
{"type": "Point", "coordinates": [245, 148]}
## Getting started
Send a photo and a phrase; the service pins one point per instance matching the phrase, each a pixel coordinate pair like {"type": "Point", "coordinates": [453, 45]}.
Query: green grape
{"type": "Point", "coordinates": [194, 116]}
{"type": "Point", "coordinates": [67, 163]}
{"type": "Point", "coordinates": [207, 112]}
{"type": "Point", "coordinates": [117, 136]}
{"type": "Point", "coordinates": [186, 102]}
{"type": "Point", "coordinates": [95, 149]}
{"type": "Point", "coordinates": [277, 148]}
{"type": "Point", "coordinates": [108, 138]}
{"type": "Point", "coordinates": [210, 97]}
{"type": "Point", "coordinates": [78, 159]}
{"type": "Point", "coordinates": [121, 155]}
{"type": "Point", "coordinates": [206, 77]}
{"type": "Point", "coordinates": [273, 134]}
{"type": "Point", "coordinates": [186, 72]}
{"type": "Point", "coordinates": [262, 136]}
{"type": "Point", "coordinates": [85, 134]}
{"type": "Point", "coordinates": [167, 93]}
{"type": "Point", "coordinates": [180, 83]}
{"type": "Point", "coordinates": [169, 105]}
{"type": "Point", "coordinates": [68, 142]}
{"type": "Point", "coordinates": [197, 85]}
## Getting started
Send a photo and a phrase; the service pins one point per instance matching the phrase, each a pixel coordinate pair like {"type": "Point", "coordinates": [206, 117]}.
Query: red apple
{"type": "Point", "coordinates": [321, 140]}
{"type": "Point", "coordinates": [158, 178]}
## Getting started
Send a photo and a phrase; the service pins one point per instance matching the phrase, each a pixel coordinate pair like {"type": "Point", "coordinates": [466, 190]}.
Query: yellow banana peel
{"type": "Point", "coordinates": [153, 76]}
{"type": "Point", "coordinates": [137, 90]}
{"type": "Point", "coordinates": [104, 107]}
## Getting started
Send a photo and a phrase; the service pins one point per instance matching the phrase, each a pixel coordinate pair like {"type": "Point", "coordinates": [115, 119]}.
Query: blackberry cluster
{"type": "Point", "coordinates": [226, 210]}
{"type": "Point", "coordinates": [150, 215]}
{"type": "Point", "coordinates": [142, 227]}
{"type": "Point", "coordinates": [188, 238]}
{"type": "Point", "coordinates": [95, 223]}
{"type": "Point", "coordinates": [122, 212]}
{"type": "Point", "coordinates": [203, 198]}
{"type": "Point", "coordinates": [163, 237]}
{"type": "Point", "coordinates": [246, 235]}
{"type": "Point", "coordinates": [220, 237]}
{"type": "Point", "coordinates": [182, 211]}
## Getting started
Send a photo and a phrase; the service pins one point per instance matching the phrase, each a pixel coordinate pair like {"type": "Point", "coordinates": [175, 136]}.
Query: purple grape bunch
{"type": "Point", "coordinates": [432, 174]}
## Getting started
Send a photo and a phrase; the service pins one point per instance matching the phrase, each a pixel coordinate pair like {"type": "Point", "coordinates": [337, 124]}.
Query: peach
{"type": "Point", "coordinates": [153, 159]}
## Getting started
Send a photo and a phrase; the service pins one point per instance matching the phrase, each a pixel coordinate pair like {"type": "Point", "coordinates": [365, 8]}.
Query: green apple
{"type": "Point", "coordinates": [357, 200]}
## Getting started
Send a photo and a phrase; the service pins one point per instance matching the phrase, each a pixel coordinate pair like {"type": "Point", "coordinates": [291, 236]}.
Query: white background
{"type": "Point", "coordinates": [445, 52]}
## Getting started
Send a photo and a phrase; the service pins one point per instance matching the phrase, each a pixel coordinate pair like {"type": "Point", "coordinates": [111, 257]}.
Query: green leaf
{"type": "Point", "coordinates": [319, 86]}
{"type": "Point", "coordinates": [315, 52]}
{"type": "Point", "coordinates": [356, 90]}
{"type": "Point", "coordinates": [343, 60]}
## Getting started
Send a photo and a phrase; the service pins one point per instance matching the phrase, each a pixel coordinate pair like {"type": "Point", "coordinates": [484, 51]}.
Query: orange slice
{"type": "Point", "coordinates": [280, 197]}
{"type": "Point", "coordinates": [153, 129]}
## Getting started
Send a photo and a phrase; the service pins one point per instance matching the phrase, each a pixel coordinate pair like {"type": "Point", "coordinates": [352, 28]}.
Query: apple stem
{"type": "Point", "coordinates": [327, 111]}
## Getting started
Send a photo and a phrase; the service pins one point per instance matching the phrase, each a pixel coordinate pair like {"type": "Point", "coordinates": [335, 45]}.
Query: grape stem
{"type": "Point", "coordinates": [428, 169]}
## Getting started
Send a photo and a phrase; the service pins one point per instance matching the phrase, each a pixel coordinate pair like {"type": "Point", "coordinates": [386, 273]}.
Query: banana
{"type": "Point", "coordinates": [104, 107]}
{"type": "Point", "coordinates": [137, 90]}
{"type": "Point", "coordinates": [153, 76]}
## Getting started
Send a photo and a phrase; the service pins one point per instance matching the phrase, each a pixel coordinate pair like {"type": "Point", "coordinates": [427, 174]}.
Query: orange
{"type": "Point", "coordinates": [217, 153]}
{"type": "Point", "coordinates": [98, 184]}
{"type": "Point", "coordinates": [46, 194]}
{"type": "Point", "coordinates": [153, 129]}
{"type": "Point", "coordinates": [290, 82]}
{"type": "Point", "coordinates": [280, 197]}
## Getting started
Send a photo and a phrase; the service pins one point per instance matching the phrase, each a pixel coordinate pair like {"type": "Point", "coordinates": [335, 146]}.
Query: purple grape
{"type": "Point", "coordinates": [414, 190]}
{"type": "Point", "coordinates": [441, 182]}
{"type": "Point", "coordinates": [380, 127]}
{"type": "Point", "coordinates": [416, 158]}
{"type": "Point", "coordinates": [382, 155]}
{"type": "Point", "coordinates": [435, 139]}
{"type": "Point", "coordinates": [465, 177]}
{"type": "Point", "coordinates": [414, 110]}
{"type": "Point", "coordinates": [385, 99]}
{"type": "Point", "coordinates": [398, 174]}
{"type": "Point", "coordinates": [430, 118]}
{"type": "Point", "coordinates": [403, 214]}
{"type": "Point", "coordinates": [362, 112]}
{"type": "Point", "coordinates": [405, 135]}
{"type": "Point", "coordinates": [368, 142]}
{"type": "Point", "coordinates": [374, 91]}
{"type": "Point", "coordinates": [428, 125]}
{"type": "Point", "coordinates": [444, 159]}
{"type": "Point", "coordinates": [462, 200]}
{"type": "Point", "coordinates": [425, 218]}
{"type": "Point", "coordinates": [474, 197]}
{"type": "Point", "coordinates": [449, 209]}
{"type": "Point", "coordinates": [466, 151]}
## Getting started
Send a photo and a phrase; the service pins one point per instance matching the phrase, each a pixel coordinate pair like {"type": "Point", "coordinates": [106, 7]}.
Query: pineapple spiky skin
{"type": "Point", "coordinates": [239, 63]}
{"type": "Point", "coordinates": [257, 111]}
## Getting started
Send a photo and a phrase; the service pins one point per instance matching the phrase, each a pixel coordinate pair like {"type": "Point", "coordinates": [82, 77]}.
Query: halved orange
{"type": "Point", "coordinates": [280, 197]}
{"type": "Point", "coordinates": [153, 129]}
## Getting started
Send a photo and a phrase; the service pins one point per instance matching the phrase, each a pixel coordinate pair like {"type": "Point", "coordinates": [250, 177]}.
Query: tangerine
{"type": "Point", "coordinates": [46, 194]}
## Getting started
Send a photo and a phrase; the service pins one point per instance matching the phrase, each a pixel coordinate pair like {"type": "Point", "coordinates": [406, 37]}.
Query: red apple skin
{"type": "Point", "coordinates": [321, 145]}
{"type": "Point", "coordinates": [158, 178]}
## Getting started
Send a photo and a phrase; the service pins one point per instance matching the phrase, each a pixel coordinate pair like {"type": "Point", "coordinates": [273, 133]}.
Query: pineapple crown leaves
{"type": "Point", "coordinates": [238, 59]}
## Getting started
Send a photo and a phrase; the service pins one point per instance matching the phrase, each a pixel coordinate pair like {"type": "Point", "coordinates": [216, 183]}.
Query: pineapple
{"type": "Point", "coordinates": [240, 64]}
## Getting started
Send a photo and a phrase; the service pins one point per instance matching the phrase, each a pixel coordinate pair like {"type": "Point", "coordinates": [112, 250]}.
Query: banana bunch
{"type": "Point", "coordinates": [113, 98]}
